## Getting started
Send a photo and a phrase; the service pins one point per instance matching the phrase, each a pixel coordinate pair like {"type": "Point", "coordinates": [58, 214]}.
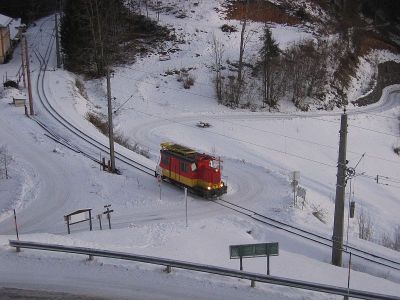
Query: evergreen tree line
{"type": "Point", "coordinates": [99, 33]}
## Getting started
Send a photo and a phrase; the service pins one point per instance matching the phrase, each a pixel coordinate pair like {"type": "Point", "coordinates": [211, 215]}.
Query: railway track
{"type": "Point", "coordinates": [43, 98]}
{"type": "Point", "coordinates": [308, 235]}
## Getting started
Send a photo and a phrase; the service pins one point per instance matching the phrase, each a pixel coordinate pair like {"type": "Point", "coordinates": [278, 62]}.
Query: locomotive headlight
{"type": "Point", "coordinates": [209, 188]}
{"type": "Point", "coordinates": [221, 184]}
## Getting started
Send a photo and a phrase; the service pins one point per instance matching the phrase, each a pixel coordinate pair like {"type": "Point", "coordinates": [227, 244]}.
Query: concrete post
{"type": "Point", "coordinates": [337, 237]}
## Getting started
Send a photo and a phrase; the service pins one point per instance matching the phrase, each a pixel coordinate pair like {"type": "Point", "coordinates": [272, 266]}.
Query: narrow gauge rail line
{"type": "Point", "coordinates": [389, 263]}
{"type": "Point", "coordinates": [69, 126]}
{"type": "Point", "coordinates": [76, 131]}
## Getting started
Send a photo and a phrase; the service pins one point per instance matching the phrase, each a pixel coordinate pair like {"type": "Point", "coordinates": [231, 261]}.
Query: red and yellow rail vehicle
{"type": "Point", "coordinates": [199, 172]}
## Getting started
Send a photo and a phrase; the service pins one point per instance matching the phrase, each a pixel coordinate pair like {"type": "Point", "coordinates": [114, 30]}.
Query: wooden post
{"type": "Point", "coordinates": [69, 230]}
{"type": "Point", "coordinates": [253, 283]}
{"type": "Point", "coordinates": [99, 217]}
{"type": "Point", "coordinates": [90, 219]}
{"type": "Point", "coordinates": [109, 219]}
{"type": "Point", "coordinates": [31, 111]}
{"type": "Point", "coordinates": [241, 264]}
{"type": "Point", "coordinates": [16, 230]}
{"type": "Point", "coordinates": [23, 63]}
{"type": "Point", "coordinates": [104, 163]}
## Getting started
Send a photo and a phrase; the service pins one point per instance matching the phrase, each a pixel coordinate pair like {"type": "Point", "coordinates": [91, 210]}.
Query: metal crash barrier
{"type": "Point", "coordinates": [169, 263]}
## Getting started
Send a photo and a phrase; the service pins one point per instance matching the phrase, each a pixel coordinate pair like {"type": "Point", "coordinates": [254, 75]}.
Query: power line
{"type": "Point", "coordinates": [379, 177]}
{"type": "Point", "coordinates": [356, 126]}
{"type": "Point", "coordinates": [209, 85]}
{"type": "Point", "coordinates": [381, 116]}
{"type": "Point", "coordinates": [306, 141]}
{"type": "Point", "coordinates": [242, 141]}
{"type": "Point", "coordinates": [290, 115]}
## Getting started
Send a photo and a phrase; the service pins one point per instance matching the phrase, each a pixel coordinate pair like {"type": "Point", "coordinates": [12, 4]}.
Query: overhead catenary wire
{"type": "Point", "coordinates": [310, 142]}
{"type": "Point", "coordinates": [299, 139]}
{"type": "Point", "coordinates": [240, 140]}
{"type": "Point", "coordinates": [308, 235]}
{"type": "Point", "coordinates": [210, 85]}
{"type": "Point", "coordinates": [289, 115]}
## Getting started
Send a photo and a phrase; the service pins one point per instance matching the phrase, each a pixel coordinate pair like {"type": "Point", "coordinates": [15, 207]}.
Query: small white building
{"type": "Point", "coordinates": [19, 100]}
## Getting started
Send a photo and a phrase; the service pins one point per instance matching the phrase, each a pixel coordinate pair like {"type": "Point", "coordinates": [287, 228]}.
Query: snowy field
{"type": "Point", "coordinates": [259, 150]}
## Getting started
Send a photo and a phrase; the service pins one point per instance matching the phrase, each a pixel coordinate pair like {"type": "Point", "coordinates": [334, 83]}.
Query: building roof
{"type": "Point", "coordinates": [4, 20]}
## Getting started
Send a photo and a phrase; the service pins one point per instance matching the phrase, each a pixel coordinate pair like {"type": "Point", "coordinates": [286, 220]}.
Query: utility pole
{"type": "Point", "coordinates": [28, 73]}
{"type": "Point", "coordinates": [337, 238]}
{"type": "Point", "coordinates": [110, 123]}
{"type": "Point", "coordinates": [57, 42]}
{"type": "Point", "coordinates": [23, 64]}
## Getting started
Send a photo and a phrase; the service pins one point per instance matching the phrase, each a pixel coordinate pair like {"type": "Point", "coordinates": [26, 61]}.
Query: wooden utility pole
{"type": "Point", "coordinates": [110, 123]}
{"type": "Point", "coordinates": [23, 64]}
{"type": "Point", "coordinates": [337, 238]}
{"type": "Point", "coordinates": [28, 73]}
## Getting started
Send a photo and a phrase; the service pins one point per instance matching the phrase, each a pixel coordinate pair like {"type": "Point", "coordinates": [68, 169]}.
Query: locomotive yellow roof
{"type": "Point", "coordinates": [182, 150]}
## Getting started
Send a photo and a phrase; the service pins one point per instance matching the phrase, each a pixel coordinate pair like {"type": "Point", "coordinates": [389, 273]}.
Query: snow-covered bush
{"type": "Point", "coordinates": [392, 241]}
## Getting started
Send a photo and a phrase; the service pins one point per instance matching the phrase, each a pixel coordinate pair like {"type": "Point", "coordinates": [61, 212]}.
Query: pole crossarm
{"type": "Point", "coordinates": [318, 287]}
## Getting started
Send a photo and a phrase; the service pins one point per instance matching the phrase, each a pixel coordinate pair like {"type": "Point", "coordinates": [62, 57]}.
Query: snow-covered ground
{"type": "Point", "coordinates": [260, 150]}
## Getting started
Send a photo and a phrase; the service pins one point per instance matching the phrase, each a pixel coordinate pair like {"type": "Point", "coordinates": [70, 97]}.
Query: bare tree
{"type": "Point", "coordinates": [365, 226]}
{"type": "Point", "coordinates": [396, 242]}
{"type": "Point", "coordinates": [386, 240]}
{"type": "Point", "coordinates": [217, 51]}
{"type": "Point", "coordinates": [243, 41]}
{"type": "Point", "coordinates": [306, 70]}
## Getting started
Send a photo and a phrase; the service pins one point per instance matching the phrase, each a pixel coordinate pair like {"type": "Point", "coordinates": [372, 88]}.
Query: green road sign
{"type": "Point", "coordinates": [254, 250]}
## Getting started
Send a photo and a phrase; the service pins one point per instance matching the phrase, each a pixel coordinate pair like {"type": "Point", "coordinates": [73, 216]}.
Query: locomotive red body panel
{"type": "Point", "coordinates": [201, 173]}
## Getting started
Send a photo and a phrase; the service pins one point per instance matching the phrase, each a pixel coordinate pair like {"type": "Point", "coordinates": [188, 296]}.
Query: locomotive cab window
{"type": "Point", "coordinates": [165, 159]}
{"type": "Point", "coordinates": [194, 167]}
{"type": "Point", "coordinates": [184, 167]}
{"type": "Point", "coordinates": [213, 164]}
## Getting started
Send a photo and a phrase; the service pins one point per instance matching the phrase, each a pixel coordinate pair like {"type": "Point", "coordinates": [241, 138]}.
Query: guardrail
{"type": "Point", "coordinates": [169, 263]}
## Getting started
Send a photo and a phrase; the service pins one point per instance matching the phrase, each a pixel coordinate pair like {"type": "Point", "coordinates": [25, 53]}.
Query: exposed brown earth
{"type": "Point", "coordinates": [260, 11]}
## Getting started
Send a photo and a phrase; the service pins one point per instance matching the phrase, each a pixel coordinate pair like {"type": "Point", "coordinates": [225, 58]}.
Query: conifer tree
{"type": "Point", "coordinates": [268, 52]}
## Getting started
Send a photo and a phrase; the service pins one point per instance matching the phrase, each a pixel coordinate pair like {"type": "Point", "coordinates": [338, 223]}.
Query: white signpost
{"type": "Point", "coordinates": [78, 216]}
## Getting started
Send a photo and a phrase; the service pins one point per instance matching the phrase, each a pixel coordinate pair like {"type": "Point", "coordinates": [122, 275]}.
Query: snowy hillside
{"type": "Point", "coordinates": [260, 150]}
